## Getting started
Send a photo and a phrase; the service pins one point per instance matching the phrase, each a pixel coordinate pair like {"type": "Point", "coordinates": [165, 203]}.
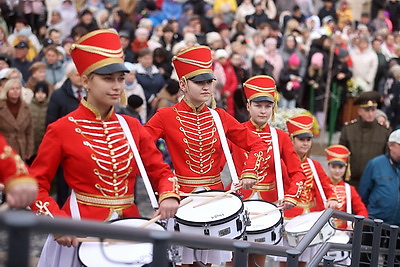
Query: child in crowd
{"type": "Point", "coordinates": [290, 82]}
{"type": "Point", "coordinates": [38, 108]}
{"type": "Point", "coordinates": [314, 87]}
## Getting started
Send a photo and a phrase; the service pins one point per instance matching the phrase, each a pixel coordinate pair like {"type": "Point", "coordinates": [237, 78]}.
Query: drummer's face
{"type": "Point", "coordinates": [337, 171]}
{"type": "Point", "coordinates": [260, 111]}
{"type": "Point", "coordinates": [197, 92]}
{"type": "Point", "coordinates": [104, 90]}
{"type": "Point", "coordinates": [302, 145]}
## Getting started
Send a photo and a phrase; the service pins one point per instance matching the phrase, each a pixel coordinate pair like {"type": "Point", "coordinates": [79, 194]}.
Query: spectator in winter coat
{"type": "Point", "coordinates": [54, 67]}
{"type": "Point", "coordinates": [149, 77]}
{"type": "Point", "coordinates": [290, 83]}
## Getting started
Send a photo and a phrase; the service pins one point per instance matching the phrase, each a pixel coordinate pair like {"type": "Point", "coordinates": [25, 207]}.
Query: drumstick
{"type": "Point", "coordinates": [97, 239]}
{"type": "Point", "coordinates": [217, 197]}
{"type": "Point", "coordinates": [264, 213]}
{"type": "Point", "coordinates": [153, 220]}
{"type": "Point", "coordinates": [200, 195]}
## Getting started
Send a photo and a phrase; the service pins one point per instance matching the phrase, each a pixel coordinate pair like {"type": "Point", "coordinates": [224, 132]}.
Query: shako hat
{"type": "Point", "coordinates": [98, 51]}
{"type": "Point", "coordinates": [300, 125]}
{"type": "Point", "coordinates": [194, 64]}
{"type": "Point", "coordinates": [337, 154]}
{"type": "Point", "coordinates": [261, 88]}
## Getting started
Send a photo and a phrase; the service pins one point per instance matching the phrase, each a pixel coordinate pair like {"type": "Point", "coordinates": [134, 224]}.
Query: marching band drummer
{"type": "Point", "coordinates": [348, 198]}
{"type": "Point", "coordinates": [91, 146]}
{"type": "Point", "coordinates": [262, 98]}
{"type": "Point", "coordinates": [317, 184]}
{"type": "Point", "coordinates": [193, 141]}
{"type": "Point", "coordinates": [19, 187]}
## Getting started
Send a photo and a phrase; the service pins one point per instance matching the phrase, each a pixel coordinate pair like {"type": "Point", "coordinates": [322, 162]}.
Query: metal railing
{"type": "Point", "coordinates": [20, 224]}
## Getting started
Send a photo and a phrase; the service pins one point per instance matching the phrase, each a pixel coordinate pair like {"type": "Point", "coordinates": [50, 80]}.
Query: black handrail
{"type": "Point", "coordinates": [20, 224]}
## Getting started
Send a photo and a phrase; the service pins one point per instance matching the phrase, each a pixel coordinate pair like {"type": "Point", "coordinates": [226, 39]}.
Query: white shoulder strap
{"type": "Point", "coordinates": [348, 198]}
{"type": "Point", "coordinates": [139, 161]}
{"type": "Point", "coordinates": [348, 202]}
{"type": "Point", "coordinates": [317, 180]}
{"type": "Point", "coordinates": [278, 165]}
{"type": "Point", "coordinates": [225, 147]}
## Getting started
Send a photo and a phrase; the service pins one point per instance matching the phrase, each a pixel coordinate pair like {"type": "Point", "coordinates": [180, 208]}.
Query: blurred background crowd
{"type": "Point", "coordinates": [322, 54]}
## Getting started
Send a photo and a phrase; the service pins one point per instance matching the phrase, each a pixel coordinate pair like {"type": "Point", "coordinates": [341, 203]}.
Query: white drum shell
{"type": "Point", "coordinates": [223, 217]}
{"type": "Point", "coordinates": [265, 229]}
{"type": "Point", "coordinates": [299, 226]}
{"type": "Point", "coordinates": [95, 254]}
{"type": "Point", "coordinates": [341, 238]}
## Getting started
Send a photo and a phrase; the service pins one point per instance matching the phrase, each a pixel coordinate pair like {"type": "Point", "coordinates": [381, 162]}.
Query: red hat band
{"type": "Point", "coordinates": [300, 124]}
{"type": "Point", "coordinates": [337, 153]}
{"type": "Point", "coordinates": [260, 86]}
{"type": "Point", "coordinates": [193, 61]}
{"type": "Point", "coordinates": [95, 50]}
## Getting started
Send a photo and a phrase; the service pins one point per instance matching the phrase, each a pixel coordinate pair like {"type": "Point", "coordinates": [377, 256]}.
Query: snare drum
{"type": "Point", "coordinates": [341, 238]}
{"type": "Point", "coordinates": [266, 228]}
{"type": "Point", "coordinates": [94, 254]}
{"type": "Point", "coordinates": [222, 217]}
{"type": "Point", "coordinates": [297, 227]}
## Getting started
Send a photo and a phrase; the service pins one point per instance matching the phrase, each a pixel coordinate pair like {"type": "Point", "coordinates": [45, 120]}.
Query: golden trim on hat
{"type": "Point", "coordinates": [296, 126]}
{"type": "Point", "coordinates": [270, 92]}
{"type": "Point", "coordinates": [369, 104]}
{"type": "Point", "coordinates": [188, 65]}
{"type": "Point", "coordinates": [337, 153]}
{"type": "Point", "coordinates": [90, 53]}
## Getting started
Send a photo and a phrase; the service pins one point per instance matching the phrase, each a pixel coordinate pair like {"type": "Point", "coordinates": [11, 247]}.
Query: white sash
{"type": "Point", "coordinates": [348, 202]}
{"type": "Point", "coordinates": [317, 180]}
{"type": "Point", "coordinates": [139, 161]}
{"type": "Point", "coordinates": [225, 147]}
{"type": "Point", "coordinates": [277, 161]}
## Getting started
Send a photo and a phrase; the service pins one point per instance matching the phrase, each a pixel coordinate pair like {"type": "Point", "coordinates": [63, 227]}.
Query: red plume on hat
{"type": "Point", "coordinates": [98, 51]}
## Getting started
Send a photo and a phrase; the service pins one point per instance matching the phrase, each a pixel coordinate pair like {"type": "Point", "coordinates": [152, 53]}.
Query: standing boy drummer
{"type": "Point", "coordinates": [273, 185]}
{"type": "Point", "coordinates": [190, 132]}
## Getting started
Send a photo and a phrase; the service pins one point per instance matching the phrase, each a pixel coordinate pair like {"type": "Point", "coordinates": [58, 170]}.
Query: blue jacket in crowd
{"type": "Point", "coordinates": [380, 189]}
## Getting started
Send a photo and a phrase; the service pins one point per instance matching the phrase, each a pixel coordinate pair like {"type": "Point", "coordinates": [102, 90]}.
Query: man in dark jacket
{"type": "Point", "coordinates": [63, 101]}
{"type": "Point", "coordinates": [365, 138]}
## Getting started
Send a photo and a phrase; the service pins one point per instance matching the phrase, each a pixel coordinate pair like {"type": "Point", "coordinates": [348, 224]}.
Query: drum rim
{"type": "Point", "coordinates": [212, 223]}
{"type": "Point", "coordinates": [109, 222]}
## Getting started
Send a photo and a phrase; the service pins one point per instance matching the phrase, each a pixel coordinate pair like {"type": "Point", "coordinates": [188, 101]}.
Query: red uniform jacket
{"type": "Point", "coordinates": [194, 144]}
{"type": "Point", "coordinates": [12, 169]}
{"type": "Point", "coordinates": [293, 176]}
{"type": "Point", "coordinates": [98, 165]}
{"type": "Point", "coordinates": [357, 206]}
{"type": "Point", "coordinates": [310, 198]}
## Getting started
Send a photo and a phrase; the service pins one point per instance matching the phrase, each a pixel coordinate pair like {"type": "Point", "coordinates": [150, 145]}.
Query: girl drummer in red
{"type": "Point", "coordinates": [191, 135]}
{"type": "Point", "coordinates": [317, 185]}
{"type": "Point", "coordinates": [93, 150]}
{"type": "Point", "coordinates": [273, 185]}
{"type": "Point", "coordinates": [347, 195]}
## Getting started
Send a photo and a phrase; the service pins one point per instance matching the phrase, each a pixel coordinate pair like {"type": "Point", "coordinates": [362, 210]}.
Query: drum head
{"type": "Point", "coordinates": [302, 223]}
{"type": "Point", "coordinates": [213, 212]}
{"type": "Point", "coordinates": [94, 254]}
{"type": "Point", "coordinates": [262, 222]}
